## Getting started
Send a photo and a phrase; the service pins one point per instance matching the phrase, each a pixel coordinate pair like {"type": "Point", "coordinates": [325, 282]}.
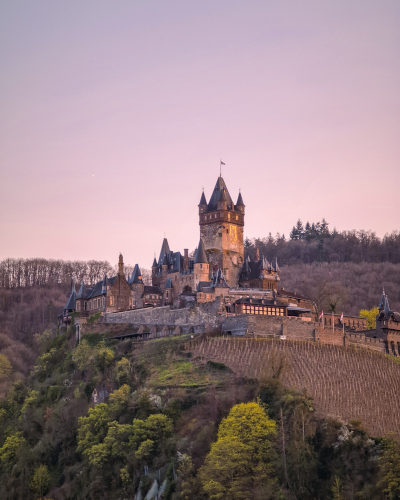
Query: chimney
{"type": "Point", "coordinates": [121, 265]}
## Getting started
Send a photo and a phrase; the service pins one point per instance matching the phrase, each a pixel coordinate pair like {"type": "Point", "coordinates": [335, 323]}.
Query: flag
{"type": "Point", "coordinates": [341, 318]}
{"type": "Point", "coordinates": [221, 162]}
{"type": "Point", "coordinates": [321, 315]}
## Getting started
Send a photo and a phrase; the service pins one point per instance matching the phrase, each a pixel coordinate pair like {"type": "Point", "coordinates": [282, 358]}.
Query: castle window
{"type": "Point", "coordinates": [237, 217]}
{"type": "Point", "coordinates": [229, 216]}
{"type": "Point", "coordinates": [215, 216]}
{"type": "Point", "coordinates": [111, 301]}
{"type": "Point", "coordinates": [85, 306]}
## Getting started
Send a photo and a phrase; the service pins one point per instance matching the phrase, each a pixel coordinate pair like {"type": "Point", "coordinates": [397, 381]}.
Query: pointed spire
{"type": "Point", "coordinates": [168, 284]}
{"type": "Point", "coordinates": [164, 252]}
{"type": "Point", "coordinates": [276, 265]}
{"type": "Point", "coordinates": [219, 186]}
{"type": "Point", "coordinates": [82, 291]}
{"type": "Point", "coordinates": [203, 200]}
{"type": "Point", "coordinates": [387, 308]}
{"type": "Point", "coordinates": [201, 256]}
{"type": "Point", "coordinates": [136, 276]}
{"type": "Point", "coordinates": [382, 302]}
{"type": "Point", "coordinates": [240, 200]}
{"type": "Point", "coordinates": [154, 262]}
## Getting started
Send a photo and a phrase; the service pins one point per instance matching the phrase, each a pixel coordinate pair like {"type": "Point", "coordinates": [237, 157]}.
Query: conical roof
{"type": "Point", "coordinates": [201, 256]}
{"type": "Point", "coordinates": [136, 276]}
{"type": "Point", "coordinates": [70, 305]}
{"type": "Point", "coordinates": [154, 263]}
{"type": "Point", "coordinates": [203, 200]}
{"type": "Point", "coordinates": [387, 308]}
{"type": "Point", "coordinates": [164, 251]}
{"type": "Point", "coordinates": [240, 200]}
{"type": "Point", "coordinates": [223, 196]}
{"type": "Point", "coordinates": [382, 302]}
{"type": "Point", "coordinates": [219, 186]}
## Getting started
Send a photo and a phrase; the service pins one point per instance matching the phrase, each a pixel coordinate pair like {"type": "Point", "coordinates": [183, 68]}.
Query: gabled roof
{"type": "Point", "coordinates": [219, 186]}
{"type": "Point", "coordinates": [203, 200]}
{"type": "Point", "coordinates": [136, 276]}
{"type": "Point", "coordinates": [201, 256]}
{"type": "Point", "coordinates": [105, 282]}
{"type": "Point", "coordinates": [97, 290]}
{"type": "Point", "coordinates": [240, 200]}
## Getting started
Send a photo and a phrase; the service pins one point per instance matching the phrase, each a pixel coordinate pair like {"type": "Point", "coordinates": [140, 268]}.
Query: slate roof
{"type": "Point", "coordinates": [136, 276]}
{"type": "Point", "coordinates": [382, 302]}
{"type": "Point", "coordinates": [83, 291]}
{"type": "Point", "coordinates": [97, 290]}
{"type": "Point", "coordinates": [168, 283]}
{"type": "Point", "coordinates": [201, 256]}
{"type": "Point", "coordinates": [164, 252]}
{"type": "Point", "coordinates": [152, 289]}
{"type": "Point", "coordinates": [154, 263]}
{"type": "Point", "coordinates": [70, 305]}
{"type": "Point", "coordinates": [220, 186]}
{"type": "Point", "coordinates": [240, 200]}
{"type": "Point", "coordinates": [203, 284]}
{"type": "Point", "coordinates": [254, 269]}
{"type": "Point", "coordinates": [203, 200]}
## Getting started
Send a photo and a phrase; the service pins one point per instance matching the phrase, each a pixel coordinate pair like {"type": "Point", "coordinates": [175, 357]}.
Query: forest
{"type": "Point", "coordinates": [201, 431]}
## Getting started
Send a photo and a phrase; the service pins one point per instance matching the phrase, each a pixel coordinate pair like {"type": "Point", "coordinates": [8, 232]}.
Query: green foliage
{"type": "Point", "coordinates": [241, 461]}
{"type": "Point", "coordinates": [104, 358]}
{"type": "Point", "coordinates": [123, 370]}
{"type": "Point", "coordinates": [30, 400]}
{"type": "Point", "coordinates": [5, 367]}
{"type": "Point", "coordinates": [337, 489]}
{"type": "Point", "coordinates": [83, 354]}
{"type": "Point", "coordinates": [92, 319]}
{"type": "Point", "coordinates": [370, 317]}
{"type": "Point", "coordinates": [10, 449]}
{"type": "Point", "coordinates": [390, 469]}
{"type": "Point", "coordinates": [40, 480]}
{"type": "Point", "coordinates": [118, 400]}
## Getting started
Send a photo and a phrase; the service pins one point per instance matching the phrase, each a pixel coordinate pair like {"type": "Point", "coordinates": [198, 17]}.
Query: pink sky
{"type": "Point", "coordinates": [114, 115]}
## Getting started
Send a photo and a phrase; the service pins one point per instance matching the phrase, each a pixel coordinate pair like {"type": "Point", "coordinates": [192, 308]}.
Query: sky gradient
{"type": "Point", "coordinates": [114, 115]}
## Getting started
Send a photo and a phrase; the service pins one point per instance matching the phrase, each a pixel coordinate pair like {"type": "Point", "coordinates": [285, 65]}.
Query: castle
{"type": "Point", "coordinates": [218, 274]}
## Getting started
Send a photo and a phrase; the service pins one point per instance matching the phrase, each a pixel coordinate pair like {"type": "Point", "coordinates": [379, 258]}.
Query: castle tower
{"type": "Point", "coordinates": [201, 266]}
{"type": "Point", "coordinates": [221, 231]}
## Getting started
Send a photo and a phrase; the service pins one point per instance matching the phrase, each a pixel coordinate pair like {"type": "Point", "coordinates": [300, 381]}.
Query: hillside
{"type": "Point", "coordinates": [162, 407]}
{"type": "Point", "coordinates": [345, 382]}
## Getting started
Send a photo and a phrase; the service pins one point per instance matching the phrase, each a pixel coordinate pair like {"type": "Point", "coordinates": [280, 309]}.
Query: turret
{"type": "Point", "coordinates": [202, 204]}
{"type": "Point", "coordinates": [201, 266]}
{"type": "Point", "coordinates": [136, 276]}
{"type": "Point", "coordinates": [382, 302]}
{"type": "Point", "coordinates": [154, 266]}
{"type": "Point", "coordinates": [239, 207]}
